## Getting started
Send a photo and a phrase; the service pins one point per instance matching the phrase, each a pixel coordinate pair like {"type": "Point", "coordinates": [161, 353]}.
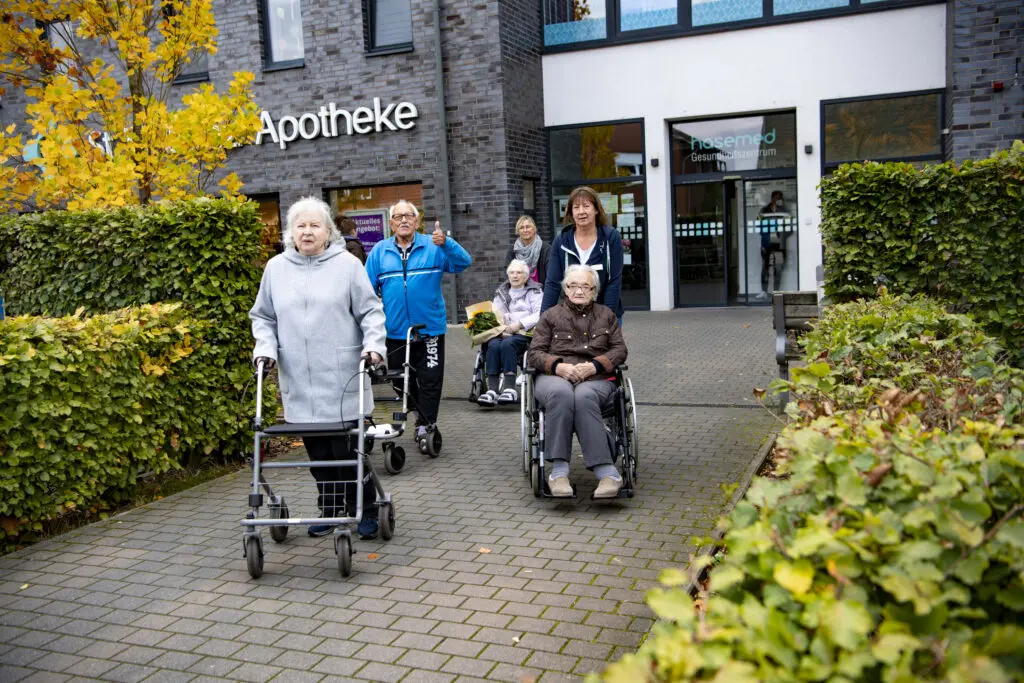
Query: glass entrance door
{"type": "Point", "coordinates": [699, 242]}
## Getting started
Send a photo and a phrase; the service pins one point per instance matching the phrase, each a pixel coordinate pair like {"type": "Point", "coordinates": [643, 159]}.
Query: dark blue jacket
{"type": "Point", "coordinates": [411, 290]}
{"type": "Point", "coordinates": [606, 257]}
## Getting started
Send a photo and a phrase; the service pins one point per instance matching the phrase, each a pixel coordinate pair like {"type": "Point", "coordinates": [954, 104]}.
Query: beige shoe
{"type": "Point", "coordinates": [608, 488]}
{"type": "Point", "coordinates": [560, 487]}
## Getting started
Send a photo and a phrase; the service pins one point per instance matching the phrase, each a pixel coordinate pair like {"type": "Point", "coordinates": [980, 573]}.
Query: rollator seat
{"type": "Point", "coordinates": [312, 429]}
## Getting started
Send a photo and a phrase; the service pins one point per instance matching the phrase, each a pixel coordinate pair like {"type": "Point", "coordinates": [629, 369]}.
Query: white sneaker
{"type": "Point", "coordinates": [608, 487]}
{"type": "Point", "coordinates": [488, 399]}
{"type": "Point", "coordinates": [560, 487]}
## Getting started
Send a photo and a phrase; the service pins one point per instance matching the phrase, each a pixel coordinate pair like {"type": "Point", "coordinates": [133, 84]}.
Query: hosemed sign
{"type": "Point", "coordinates": [330, 122]}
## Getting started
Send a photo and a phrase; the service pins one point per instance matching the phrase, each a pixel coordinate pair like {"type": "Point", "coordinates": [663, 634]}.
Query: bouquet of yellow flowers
{"type": "Point", "coordinates": [484, 323]}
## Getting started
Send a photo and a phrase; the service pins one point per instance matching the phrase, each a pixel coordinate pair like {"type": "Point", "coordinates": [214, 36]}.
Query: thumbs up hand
{"type": "Point", "coordinates": [438, 235]}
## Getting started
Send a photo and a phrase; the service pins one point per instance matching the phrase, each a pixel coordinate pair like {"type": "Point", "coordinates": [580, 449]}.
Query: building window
{"type": "Point", "coordinates": [610, 159]}
{"type": "Point", "coordinates": [574, 21]}
{"type": "Point", "coordinates": [198, 69]}
{"type": "Point", "coordinates": [61, 36]}
{"type": "Point", "coordinates": [388, 25]}
{"type": "Point", "coordinates": [707, 12]}
{"type": "Point", "coordinates": [891, 128]}
{"type": "Point", "coordinates": [795, 6]}
{"type": "Point", "coordinates": [635, 15]}
{"type": "Point", "coordinates": [368, 206]}
{"type": "Point", "coordinates": [744, 143]}
{"type": "Point", "coordinates": [269, 210]}
{"type": "Point", "coordinates": [529, 196]}
{"type": "Point", "coordinates": [283, 33]}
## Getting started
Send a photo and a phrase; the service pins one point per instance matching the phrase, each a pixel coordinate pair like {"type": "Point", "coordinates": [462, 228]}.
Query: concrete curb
{"type": "Point", "coordinates": [752, 469]}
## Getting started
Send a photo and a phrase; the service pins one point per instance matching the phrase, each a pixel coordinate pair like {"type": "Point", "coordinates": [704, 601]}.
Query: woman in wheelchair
{"type": "Point", "coordinates": [576, 346]}
{"type": "Point", "coordinates": [518, 301]}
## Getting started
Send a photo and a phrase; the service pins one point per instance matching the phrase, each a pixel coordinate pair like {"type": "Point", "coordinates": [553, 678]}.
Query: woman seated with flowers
{"type": "Point", "coordinates": [517, 301]}
{"type": "Point", "coordinates": [576, 346]}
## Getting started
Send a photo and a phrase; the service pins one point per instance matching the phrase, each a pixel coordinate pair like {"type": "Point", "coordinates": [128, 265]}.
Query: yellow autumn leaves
{"type": "Point", "coordinates": [109, 128]}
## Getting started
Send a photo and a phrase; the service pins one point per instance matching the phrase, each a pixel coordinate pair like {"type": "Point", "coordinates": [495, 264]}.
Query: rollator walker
{"type": "Point", "coordinates": [273, 512]}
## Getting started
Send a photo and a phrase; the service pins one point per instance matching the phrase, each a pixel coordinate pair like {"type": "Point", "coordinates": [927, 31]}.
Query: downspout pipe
{"type": "Point", "coordinates": [444, 186]}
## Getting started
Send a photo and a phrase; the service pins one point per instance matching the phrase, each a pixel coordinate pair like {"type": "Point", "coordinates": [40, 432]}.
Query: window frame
{"type": "Point", "coordinates": [556, 227]}
{"type": "Point", "coordinates": [370, 29]}
{"type": "Point", "coordinates": [828, 167]}
{"type": "Point", "coordinates": [268, 51]}
{"type": "Point", "coordinates": [684, 25]}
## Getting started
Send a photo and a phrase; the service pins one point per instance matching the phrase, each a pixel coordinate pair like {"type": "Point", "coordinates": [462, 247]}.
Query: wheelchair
{"type": "Point", "coordinates": [620, 419]}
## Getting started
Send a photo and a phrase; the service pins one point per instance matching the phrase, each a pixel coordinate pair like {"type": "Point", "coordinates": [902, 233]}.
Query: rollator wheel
{"type": "Point", "coordinates": [343, 546]}
{"type": "Point", "coordinates": [280, 511]}
{"type": "Point", "coordinates": [394, 458]}
{"type": "Point", "coordinates": [386, 521]}
{"type": "Point", "coordinates": [535, 479]}
{"type": "Point", "coordinates": [433, 440]}
{"type": "Point", "coordinates": [254, 556]}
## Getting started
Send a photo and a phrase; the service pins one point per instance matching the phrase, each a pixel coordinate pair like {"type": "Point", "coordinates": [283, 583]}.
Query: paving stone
{"type": "Point", "coordinates": [568, 580]}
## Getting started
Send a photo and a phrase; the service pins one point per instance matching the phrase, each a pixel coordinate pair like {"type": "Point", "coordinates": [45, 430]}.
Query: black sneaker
{"type": "Point", "coordinates": [368, 526]}
{"type": "Point", "coordinates": [316, 530]}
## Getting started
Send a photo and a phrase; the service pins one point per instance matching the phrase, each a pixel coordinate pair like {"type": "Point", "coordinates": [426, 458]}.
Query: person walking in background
{"type": "Point", "coordinates": [350, 232]}
{"type": "Point", "coordinates": [587, 240]}
{"type": "Point", "coordinates": [406, 271]}
{"type": "Point", "coordinates": [315, 316]}
{"type": "Point", "coordinates": [772, 250]}
{"type": "Point", "coordinates": [530, 249]}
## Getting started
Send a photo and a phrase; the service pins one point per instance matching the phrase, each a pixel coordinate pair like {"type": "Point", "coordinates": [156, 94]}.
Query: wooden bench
{"type": "Point", "coordinates": [792, 315]}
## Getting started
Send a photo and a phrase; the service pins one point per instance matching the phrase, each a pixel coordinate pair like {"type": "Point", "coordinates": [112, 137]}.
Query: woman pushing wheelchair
{"type": "Point", "coordinates": [576, 346]}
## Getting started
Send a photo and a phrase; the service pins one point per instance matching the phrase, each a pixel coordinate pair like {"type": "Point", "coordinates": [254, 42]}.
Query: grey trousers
{"type": "Point", "coordinates": [569, 408]}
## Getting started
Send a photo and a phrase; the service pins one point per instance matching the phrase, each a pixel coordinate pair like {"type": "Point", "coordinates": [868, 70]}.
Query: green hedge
{"type": "Point", "coordinates": [203, 252]}
{"type": "Point", "coordinates": [893, 548]}
{"type": "Point", "coordinates": [88, 403]}
{"type": "Point", "coordinates": [952, 232]}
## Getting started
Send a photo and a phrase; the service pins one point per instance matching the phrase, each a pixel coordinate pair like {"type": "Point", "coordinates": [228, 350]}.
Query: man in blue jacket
{"type": "Point", "coordinates": [406, 271]}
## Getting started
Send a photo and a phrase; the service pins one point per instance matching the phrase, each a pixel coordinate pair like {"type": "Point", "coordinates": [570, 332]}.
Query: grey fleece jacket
{"type": "Point", "coordinates": [316, 315]}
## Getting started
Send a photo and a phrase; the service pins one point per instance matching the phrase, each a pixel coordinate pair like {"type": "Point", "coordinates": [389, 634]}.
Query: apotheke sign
{"type": "Point", "coordinates": [324, 123]}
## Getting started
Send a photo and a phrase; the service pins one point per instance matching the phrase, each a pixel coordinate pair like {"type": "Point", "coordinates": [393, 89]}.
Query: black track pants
{"type": "Point", "coordinates": [427, 360]}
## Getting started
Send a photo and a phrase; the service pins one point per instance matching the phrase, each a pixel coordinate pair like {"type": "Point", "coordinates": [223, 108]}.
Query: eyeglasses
{"type": "Point", "coordinates": [399, 217]}
{"type": "Point", "coordinates": [579, 288]}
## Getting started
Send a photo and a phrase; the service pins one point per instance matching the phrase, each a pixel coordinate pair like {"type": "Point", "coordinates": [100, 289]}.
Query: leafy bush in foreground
{"type": "Point", "coordinates": [86, 404]}
{"type": "Point", "coordinates": [893, 549]}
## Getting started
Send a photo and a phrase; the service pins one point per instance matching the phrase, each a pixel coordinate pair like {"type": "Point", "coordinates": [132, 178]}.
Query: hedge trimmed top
{"type": "Point", "coordinates": [953, 232]}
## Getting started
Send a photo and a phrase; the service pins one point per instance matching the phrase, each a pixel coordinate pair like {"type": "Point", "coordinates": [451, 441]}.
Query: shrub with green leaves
{"type": "Point", "coordinates": [88, 403]}
{"type": "Point", "coordinates": [203, 252]}
{"type": "Point", "coordinates": [892, 547]}
{"type": "Point", "coordinates": [892, 553]}
{"type": "Point", "coordinates": [887, 352]}
{"type": "Point", "coordinates": [952, 232]}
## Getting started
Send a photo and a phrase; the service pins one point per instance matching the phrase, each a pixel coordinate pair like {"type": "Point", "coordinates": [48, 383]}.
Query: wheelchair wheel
{"type": "Point", "coordinates": [632, 430]}
{"type": "Point", "coordinates": [524, 432]}
{"type": "Point", "coordinates": [475, 390]}
{"type": "Point", "coordinates": [535, 479]}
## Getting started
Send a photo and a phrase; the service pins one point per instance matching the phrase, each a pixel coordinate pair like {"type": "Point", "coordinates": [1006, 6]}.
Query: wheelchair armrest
{"type": "Point", "coordinates": [621, 366]}
{"type": "Point", "coordinates": [532, 372]}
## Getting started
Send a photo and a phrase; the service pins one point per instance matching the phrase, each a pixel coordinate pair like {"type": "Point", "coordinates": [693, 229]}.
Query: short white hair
{"type": "Point", "coordinates": [415, 211]}
{"type": "Point", "coordinates": [577, 268]}
{"type": "Point", "coordinates": [302, 206]}
{"type": "Point", "coordinates": [516, 264]}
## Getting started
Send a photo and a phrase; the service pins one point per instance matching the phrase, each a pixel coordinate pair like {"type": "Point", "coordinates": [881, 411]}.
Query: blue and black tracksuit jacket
{"type": "Point", "coordinates": [411, 288]}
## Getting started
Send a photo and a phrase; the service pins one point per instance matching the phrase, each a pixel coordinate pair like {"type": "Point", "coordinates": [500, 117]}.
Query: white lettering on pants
{"type": "Point", "coordinates": [432, 361]}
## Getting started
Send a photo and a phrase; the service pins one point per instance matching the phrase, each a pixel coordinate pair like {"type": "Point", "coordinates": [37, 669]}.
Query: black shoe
{"type": "Point", "coordinates": [317, 530]}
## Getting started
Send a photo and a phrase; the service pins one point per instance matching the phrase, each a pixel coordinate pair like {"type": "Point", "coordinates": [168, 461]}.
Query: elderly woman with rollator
{"type": "Point", "coordinates": [518, 301]}
{"type": "Point", "coordinates": [316, 315]}
{"type": "Point", "coordinates": [576, 346]}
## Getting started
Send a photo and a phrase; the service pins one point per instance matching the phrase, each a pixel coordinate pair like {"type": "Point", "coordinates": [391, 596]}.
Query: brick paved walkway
{"type": "Point", "coordinates": [480, 582]}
